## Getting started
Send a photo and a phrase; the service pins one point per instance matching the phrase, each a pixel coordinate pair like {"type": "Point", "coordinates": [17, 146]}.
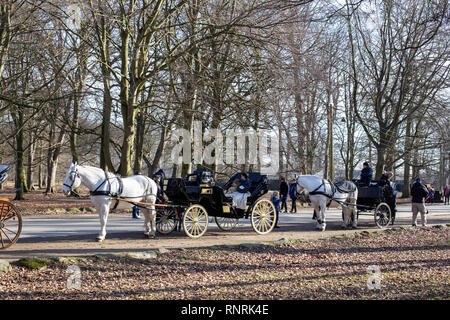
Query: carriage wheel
{"type": "Point", "coordinates": [195, 221]}
{"type": "Point", "coordinates": [226, 224]}
{"type": "Point", "coordinates": [382, 215]}
{"type": "Point", "coordinates": [263, 216]}
{"type": "Point", "coordinates": [10, 224]}
{"type": "Point", "coordinates": [166, 221]}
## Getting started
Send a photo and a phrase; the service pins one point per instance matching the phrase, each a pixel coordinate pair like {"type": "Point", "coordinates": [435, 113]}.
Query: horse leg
{"type": "Point", "coordinates": [323, 208]}
{"type": "Point", "coordinates": [103, 213]}
{"type": "Point", "coordinates": [316, 206]}
{"type": "Point", "coordinates": [345, 215]}
{"type": "Point", "coordinates": [353, 213]}
{"type": "Point", "coordinates": [150, 219]}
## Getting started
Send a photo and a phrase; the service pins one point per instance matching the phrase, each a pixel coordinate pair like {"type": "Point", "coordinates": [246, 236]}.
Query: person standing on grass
{"type": "Point", "coordinates": [447, 195]}
{"type": "Point", "coordinates": [293, 195]}
{"type": "Point", "coordinates": [276, 203]}
{"type": "Point", "coordinates": [418, 193]}
{"type": "Point", "coordinates": [284, 190]}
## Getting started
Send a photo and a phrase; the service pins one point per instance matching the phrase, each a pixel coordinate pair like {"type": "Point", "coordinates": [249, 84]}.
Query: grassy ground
{"type": "Point", "coordinates": [414, 264]}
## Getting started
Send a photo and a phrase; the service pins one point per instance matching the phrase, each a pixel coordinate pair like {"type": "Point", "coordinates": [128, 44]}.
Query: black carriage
{"type": "Point", "coordinates": [371, 201]}
{"type": "Point", "coordinates": [192, 200]}
{"type": "Point", "coordinates": [10, 217]}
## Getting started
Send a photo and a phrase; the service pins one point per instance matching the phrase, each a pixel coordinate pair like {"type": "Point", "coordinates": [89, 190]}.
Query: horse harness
{"type": "Point", "coordinates": [97, 192]}
{"type": "Point", "coordinates": [108, 193]}
{"type": "Point", "coordinates": [114, 195]}
{"type": "Point", "coordinates": [334, 188]}
{"type": "Point", "coordinates": [330, 196]}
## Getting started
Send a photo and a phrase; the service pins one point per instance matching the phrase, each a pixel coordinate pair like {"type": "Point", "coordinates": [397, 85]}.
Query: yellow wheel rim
{"type": "Point", "coordinates": [226, 224]}
{"type": "Point", "coordinates": [263, 217]}
{"type": "Point", "coordinates": [195, 221]}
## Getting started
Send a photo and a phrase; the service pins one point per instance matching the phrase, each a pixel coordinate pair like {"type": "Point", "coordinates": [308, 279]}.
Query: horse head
{"type": "Point", "coordinates": [72, 180]}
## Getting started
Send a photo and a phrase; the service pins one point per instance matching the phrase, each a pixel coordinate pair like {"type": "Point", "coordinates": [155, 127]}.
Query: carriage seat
{"type": "Point", "coordinates": [176, 190]}
{"type": "Point", "coordinates": [372, 192]}
{"type": "Point", "coordinates": [258, 182]}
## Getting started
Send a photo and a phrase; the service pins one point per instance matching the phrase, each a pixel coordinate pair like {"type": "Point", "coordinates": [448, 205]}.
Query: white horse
{"type": "Point", "coordinates": [104, 186]}
{"type": "Point", "coordinates": [322, 192]}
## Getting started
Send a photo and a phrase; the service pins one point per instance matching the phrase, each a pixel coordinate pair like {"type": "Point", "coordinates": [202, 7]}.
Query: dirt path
{"type": "Point", "coordinates": [402, 264]}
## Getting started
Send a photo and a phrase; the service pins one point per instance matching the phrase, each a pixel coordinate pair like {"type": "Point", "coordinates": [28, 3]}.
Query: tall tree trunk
{"type": "Point", "coordinates": [139, 142]}
{"type": "Point", "coordinates": [74, 130]}
{"type": "Point", "coordinates": [31, 153]}
{"type": "Point", "coordinates": [105, 151]}
{"type": "Point", "coordinates": [407, 161]}
{"type": "Point", "coordinates": [54, 151]}
{"type": "Point", "coordinates": [21, 182]}
{"type": "Point", "coordinates": [40, 170]}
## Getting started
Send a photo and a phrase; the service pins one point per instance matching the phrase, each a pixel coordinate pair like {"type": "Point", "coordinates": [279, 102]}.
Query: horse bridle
{"type": "Point", "coordinates": [76, 174]}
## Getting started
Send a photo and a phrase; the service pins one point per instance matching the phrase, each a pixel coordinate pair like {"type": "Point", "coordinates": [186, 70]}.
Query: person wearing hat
{"type": "Point", "coordinates": [418, 193]}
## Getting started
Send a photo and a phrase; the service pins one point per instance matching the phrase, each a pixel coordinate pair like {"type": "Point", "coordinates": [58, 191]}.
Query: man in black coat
{"type": "Point", "coordinates": [284, 190]}
{"type": "Point", "coordinates": [366, 174]}
{"type": "Point", "coordinates": [418, 193]}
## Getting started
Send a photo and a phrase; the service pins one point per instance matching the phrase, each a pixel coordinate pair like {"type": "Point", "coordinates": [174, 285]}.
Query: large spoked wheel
{"type": "Point", "coordinates": [263, 216]}
{"type": "Point", "coordinates": [226, 224]}
{"type": "Point", "coordinates": [166, 221]}
{"type": "Point", "coordinates": [10, 224]}
{"type": "Point", "coordinates": [382, 215]}
{"type": "Point", "coordinates": [195, 221]}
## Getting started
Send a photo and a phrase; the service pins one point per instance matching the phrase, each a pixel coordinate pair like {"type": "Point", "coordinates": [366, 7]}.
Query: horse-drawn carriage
{"type": "Point", "coordinates": [372, 201]}
{"type": "Point", "coordinates": [192, 200]}
{"type": "Point", "coordinates": [10, 217]}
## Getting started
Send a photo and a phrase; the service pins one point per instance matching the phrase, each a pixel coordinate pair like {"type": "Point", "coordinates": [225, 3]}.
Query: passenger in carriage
{"type": "Point", "coordinates": [242, 192]}
{"type": "Point", "coordinates": [244, 185]}
{"type": "Point", "coordinates": [366, 174]}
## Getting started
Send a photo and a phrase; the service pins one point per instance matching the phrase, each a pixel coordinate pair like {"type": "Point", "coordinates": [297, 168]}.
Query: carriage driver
{"type": "Point", "coordinates": [159, 193]}
{"type": "Point", "coordinates": [366, 174]}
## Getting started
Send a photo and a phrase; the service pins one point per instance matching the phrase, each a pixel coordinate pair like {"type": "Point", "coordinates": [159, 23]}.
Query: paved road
{"type": "Point", "coordinates": [68, 235]}
{"type": "Point", "coordinates": [70, 225]}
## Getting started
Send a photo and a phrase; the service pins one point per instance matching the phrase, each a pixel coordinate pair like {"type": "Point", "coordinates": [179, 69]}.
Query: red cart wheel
{"type": "Point", "coordinates": [10, 224]}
